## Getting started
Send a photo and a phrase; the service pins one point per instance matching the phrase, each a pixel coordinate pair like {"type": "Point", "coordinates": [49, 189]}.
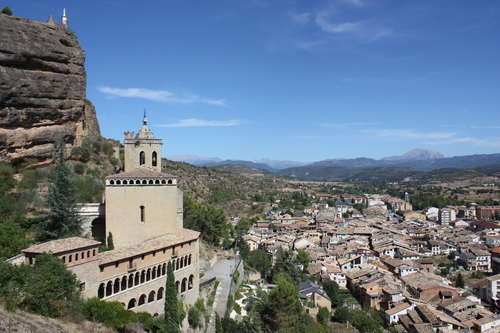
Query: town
{"type": "Point", "coordinates": [406, 267]}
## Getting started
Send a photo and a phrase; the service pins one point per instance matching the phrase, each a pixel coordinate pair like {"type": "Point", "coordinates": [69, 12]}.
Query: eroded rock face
{"type": "Point", "coordinates": [42, 90]}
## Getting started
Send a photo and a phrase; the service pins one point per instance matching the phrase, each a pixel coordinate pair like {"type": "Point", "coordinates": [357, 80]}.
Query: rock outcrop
{"type": "Point", "coordinates": [42, 90]}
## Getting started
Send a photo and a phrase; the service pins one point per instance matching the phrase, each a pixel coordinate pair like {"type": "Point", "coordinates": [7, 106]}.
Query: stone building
{"type": "Point", "coordinates": [143, 211]}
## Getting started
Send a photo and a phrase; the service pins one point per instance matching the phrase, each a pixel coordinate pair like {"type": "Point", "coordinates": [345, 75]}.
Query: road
{"type": "Point", "coordinates": [222, 272]}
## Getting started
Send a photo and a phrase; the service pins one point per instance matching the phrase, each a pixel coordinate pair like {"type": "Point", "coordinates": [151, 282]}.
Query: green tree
{"type": "Point", "coordinates": [304, 259]}
{"type": "Point", "coordinates": [286, 263]}
{"type": "Point", "coordinates": [194, 317]}
{"type": "Point", "coordinates": [332, 290]}
{"type": "Point", "coordinates": [6, 11]}
{"type": "Point", "coordinates": [63, 219]}
{"type": "Point", "coordinates": [12, 239]}
{"type": "Point", "coordinates": [460, 283]}
{"type": "Point", "coordinates": [341, 315]}
{"type": "Point", "coordinates": [172, 321]}
{"type": "Point", "coordinates": [323, 315]}
{"type": "Point", "coordinates": [259, 260]}
{"type": "Point", "coordinates": [48, 286]}
{"type": "Point", "coordinates": [366, 321]}
{"type": "Point", "coordinates": [283, 311]}
{"type": "Point", "coordinates": [110, 242]}
{"type": "Point", "coordinates": [111, 314]}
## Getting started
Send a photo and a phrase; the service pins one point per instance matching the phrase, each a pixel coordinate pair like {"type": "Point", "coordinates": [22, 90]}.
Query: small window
{"type": "Point", "coordinates": [93, 253]}
{"type": "Point", "coordinates": [70, 258]}
{"type": "Point", "coordinates": [143, 214]}
{"type": "Point", "coordinates": [82, 286]}
{"type": "Point", "coordinates": [64, 259]}
{"type": "Point", "coordinates": [76, 256]}
{"type": "Point", "coordinates": [83, 255]}
{"type": "Point", "coordinates": [142, 158]}
{"type": "Point", "coordinates": [153, 158]}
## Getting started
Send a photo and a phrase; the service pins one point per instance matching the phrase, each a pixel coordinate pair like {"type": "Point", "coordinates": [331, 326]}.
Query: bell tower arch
{"type": "Point", "coordinates": [142, 149]}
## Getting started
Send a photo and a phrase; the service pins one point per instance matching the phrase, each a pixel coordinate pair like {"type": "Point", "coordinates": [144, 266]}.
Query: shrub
{"type": "Point", "coordinates": [194, 318]}
{"type": "Point", "coordinates": [6, 11]}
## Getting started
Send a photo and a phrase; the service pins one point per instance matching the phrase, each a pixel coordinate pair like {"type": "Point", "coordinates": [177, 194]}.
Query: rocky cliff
{"type": "Point", "coordinates": [42, 90]}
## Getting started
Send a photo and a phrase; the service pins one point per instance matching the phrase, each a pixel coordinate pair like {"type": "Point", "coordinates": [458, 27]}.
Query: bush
{"type": "Point", "coordinates": [111, 314]}
{"type": "Point", "coordinates": [194, 318]}
{"type": "Point", "coordinates": [6, 11]}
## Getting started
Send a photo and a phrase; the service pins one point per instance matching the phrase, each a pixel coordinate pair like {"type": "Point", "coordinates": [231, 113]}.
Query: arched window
{"type": "Point", "coordinates": [157, 181]}
{"type": "Point", "coordinates": [153, 158]}
{"type": "Point", "coordinates": [160, 293]}
{"type": "Point", "coordinates": [137, 182]}
{"type": "Point", "coordinates": [163, 181]}
{"type": "Point", "coordinates": [118, 182]}
{"type": "Point", "coordinates": [116, 286]}
{"type": "Point", "coordinates": [153, 274]}
{"type": "Point", "coordinates": [191, 281]}
{"type": "Point", "coordinates": [170, 181]}
{"type": "Point", "coordinates": [142, 158]}
{"type": "Point", "coordinates": [112, 182]}
{"type": "Point", "coordinates": [142, 299]}
{"type": "Point", "coordinates": [144, 182]}
{"type": "Point", "coordinates": [148, 274]}
{"type": "Point", "coordinates": [131, 304]}
{"type": "Point", "coordinates": [189, 260]}
{"type": "Point", "coordinates": [151, 182]}
{"type": "Point", "coordinates": [124, 282]}
{"type": "Point", "coordinates": [131, 280]}
{"type": "Point", "coordinates": [100, 291]}
{"type": "Point", "coordinates": [137, 278]}
{"type": "Point", "coordinates": [109, 288]}
{"type": "Point", "coordinates": [143, 214]}
{"type": "Point", "coordinates": [183, 285]}
{"type": "Point", "coordinates": [125, 182]}
{"type": "Point", "coordinates": [151, 297]}
{"type": "Point", "coordinates": [64, 259]}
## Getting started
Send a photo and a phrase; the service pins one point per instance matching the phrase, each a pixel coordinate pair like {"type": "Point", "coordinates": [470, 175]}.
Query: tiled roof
{"type": "Point", "coordinates": [160, 242]}
{"type": "Point", "coordinates": [61, 245]}
{"type": "Point", "coordinates": [141, 172]}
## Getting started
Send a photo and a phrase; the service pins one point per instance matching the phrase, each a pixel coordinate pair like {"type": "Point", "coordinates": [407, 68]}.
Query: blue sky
{"type": "Point", "coordinates": [292, 80]}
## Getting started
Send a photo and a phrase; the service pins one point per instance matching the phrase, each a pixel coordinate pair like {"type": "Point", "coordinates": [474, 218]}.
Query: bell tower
{"type": "Point", "coordinates": [142, 149]}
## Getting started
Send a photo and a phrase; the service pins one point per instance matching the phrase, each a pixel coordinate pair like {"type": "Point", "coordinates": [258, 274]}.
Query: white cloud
{"type": "Point", "coordinates": [365, 31]}
{"type": "Point", "coordinates": [301, 18]}
{"type": "Point", "coordinates": [490, 142]}
{"type": "Point", "coordinates": [159, 96]}
{"type": "Point", "coordinates": [348, 125]}
{"type": "Point", "coordinates": [204, 123]}
{"type": "Point", "coordinates": [406, 134]}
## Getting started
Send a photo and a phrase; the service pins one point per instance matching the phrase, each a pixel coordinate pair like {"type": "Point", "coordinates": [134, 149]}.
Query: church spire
{"type": "Point", "coordinates": [145, 120]}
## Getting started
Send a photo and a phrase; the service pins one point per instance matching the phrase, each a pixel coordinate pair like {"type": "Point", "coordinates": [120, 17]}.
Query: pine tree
{"type": "Point", "coordinates": [111, 244]}
{"type": "Point", "coordinates": [460, 283]}
{"type": "Point", "coordinates": [171, 308]}
{"type": "Point", "coordinates": [63, 219]}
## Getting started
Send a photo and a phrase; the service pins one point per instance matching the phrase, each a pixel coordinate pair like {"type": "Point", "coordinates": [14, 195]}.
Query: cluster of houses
{"type": "Point", "coordinates": [391, 265]}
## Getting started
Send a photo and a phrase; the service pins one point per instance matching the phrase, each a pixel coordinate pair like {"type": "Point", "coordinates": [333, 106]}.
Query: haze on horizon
{"type": "Point", "coordinates": [292, 80]}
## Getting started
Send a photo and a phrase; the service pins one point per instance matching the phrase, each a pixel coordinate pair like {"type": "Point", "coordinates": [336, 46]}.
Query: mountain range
{"type": "Point", "coordinates": [419, 159]}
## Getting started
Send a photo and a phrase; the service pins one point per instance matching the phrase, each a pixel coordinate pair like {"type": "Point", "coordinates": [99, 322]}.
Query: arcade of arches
{"type": "Point", "coordinates": [135, 279]}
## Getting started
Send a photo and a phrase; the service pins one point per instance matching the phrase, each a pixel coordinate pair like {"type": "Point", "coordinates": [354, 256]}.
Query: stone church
{"type": "Point", "coordinates": [143, 210]}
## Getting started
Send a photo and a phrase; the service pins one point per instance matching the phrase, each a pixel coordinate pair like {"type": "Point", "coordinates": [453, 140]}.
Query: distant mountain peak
{"type": "Point", "coordinates": [417, 154]}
